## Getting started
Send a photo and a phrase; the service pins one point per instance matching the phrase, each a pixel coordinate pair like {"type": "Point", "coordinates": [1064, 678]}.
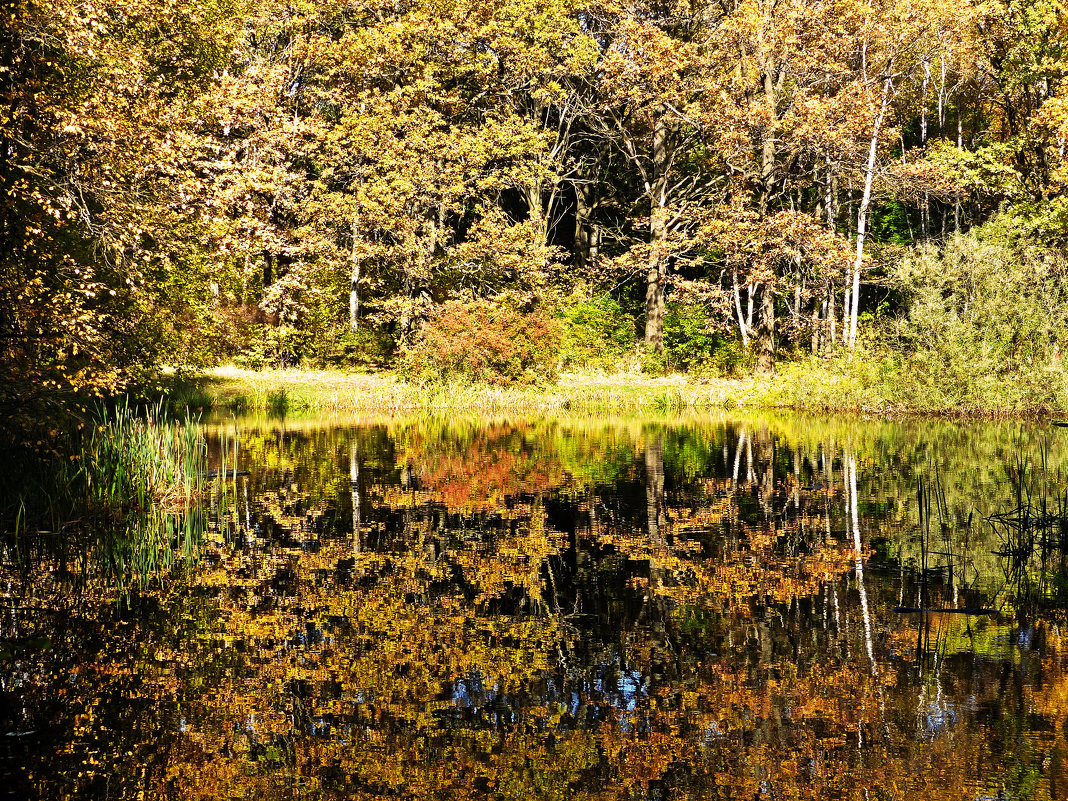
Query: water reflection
{"type": "Point", "coordinates": [558, 609]}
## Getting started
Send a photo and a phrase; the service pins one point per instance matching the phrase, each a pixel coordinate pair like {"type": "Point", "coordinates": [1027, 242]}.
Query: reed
{"type": "Point", "coordinates": [1033, 538]}
{"type": "Point", "coordinates": [139, 482]}
{"type": "Point", "coordinates": [278, 402]}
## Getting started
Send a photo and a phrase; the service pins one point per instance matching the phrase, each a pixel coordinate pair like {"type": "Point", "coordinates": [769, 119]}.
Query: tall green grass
{"type": "Point", "coordinates": [139, 483]}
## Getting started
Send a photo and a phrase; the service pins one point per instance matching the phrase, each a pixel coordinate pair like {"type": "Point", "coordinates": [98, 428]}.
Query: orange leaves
{"type": "Point", "coordinates": [769, 249]}
{"type": "Point", "coordinates": [485, 342]}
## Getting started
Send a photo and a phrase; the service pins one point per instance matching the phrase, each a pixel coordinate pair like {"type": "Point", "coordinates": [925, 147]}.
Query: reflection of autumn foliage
{"type": "Point", "coordinates": [754, 565]}
{"type": "Point", "coordinates": [535, 635]}
{"type": "Point", "coordinates": [758, 572]}
{"type": "Point", "coordinates": [361, 676]}
{"type": "Point", "coordinates": [481, 471]}
{"type": "Point", "coordinates": [485, 478]}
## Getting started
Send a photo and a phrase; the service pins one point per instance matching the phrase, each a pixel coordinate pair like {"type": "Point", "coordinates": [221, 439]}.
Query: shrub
{"type": "Point", "coordinates": [596, 333]}
{"type": "Point", "coordinates": [987, 317]}
{"type": "Point", "coordinates": [483, 342]}
{"type": "Point", "coordinates": [272, 346]}
{"type": "Point", "coordinates": [340, 346]}
{"type": "Point", "coordinates": [693, 341]}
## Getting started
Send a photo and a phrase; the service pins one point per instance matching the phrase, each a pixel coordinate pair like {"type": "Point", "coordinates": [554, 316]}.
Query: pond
{"type": "Point", "coordinates": [715, 606]}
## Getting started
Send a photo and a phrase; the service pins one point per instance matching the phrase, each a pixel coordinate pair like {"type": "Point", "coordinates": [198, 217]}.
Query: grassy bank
{"type": "Point", "coordinates": [863, 382]}
{"type": "Point", "coordinates": [278, 391]}
{"type": "Point", "coordinates": [883, 381]}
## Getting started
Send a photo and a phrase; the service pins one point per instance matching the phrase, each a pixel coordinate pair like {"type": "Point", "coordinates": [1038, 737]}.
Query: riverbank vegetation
{"type": "Point", "coordinates": [131, 494]}
{"type": "Point", "coordinates": [864, 199]}
{"type": "Point", "coordinates": [870, 382]}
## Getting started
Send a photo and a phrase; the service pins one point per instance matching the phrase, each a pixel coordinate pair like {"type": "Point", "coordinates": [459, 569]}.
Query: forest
{"type": "Point", "coordinates": [542, 266]}
{"type": "Point", "coordinates": [500, 192]}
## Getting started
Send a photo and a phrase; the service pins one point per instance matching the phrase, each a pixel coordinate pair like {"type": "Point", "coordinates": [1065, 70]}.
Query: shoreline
{"type": "Point", "coordinates": [239, 390]}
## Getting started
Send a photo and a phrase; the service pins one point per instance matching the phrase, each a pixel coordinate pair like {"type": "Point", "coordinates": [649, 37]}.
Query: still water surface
{"type": "Point", "coordinates": [570, 608]}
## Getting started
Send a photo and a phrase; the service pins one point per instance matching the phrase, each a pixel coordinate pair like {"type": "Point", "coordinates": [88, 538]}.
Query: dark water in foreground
{"type": "Point", "coordinates": [434, 609]}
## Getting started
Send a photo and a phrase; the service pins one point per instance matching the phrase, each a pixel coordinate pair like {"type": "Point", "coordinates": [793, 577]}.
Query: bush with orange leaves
{"type": "Point", "coordinates": [485, 342]}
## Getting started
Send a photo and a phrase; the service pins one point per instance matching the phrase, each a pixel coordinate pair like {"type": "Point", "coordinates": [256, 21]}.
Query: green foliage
{"type": "Point", "coordinates": [890, 224]}
{"type": "Point", "coordinates": [208, 334]}
{"type": "Point", "coordinates": [865, 379]}
{"type": "Point", "coordinates": [651, 362]}
{"type": "Point", "coordinates": [275, 346]}
{"type": "Point", "coordinates": [484, 342]}
{"type": "Point", "coordinates": [278, 402]}
{"type": "Point", "coordinates": [985, 173]}
{"type": "Point", "coordinates": [340, 346]}
{"type": "Point", "coordinates": [693, 341]}
{"type": "Point", "coordinates": [991, 306]}
{"type": "Point", "coordinates": [597, 333]}
{"type": "Point", "coordinates": [187, 396]}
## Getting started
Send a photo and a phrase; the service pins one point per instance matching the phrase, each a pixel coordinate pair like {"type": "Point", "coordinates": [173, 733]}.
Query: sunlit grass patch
{"type": "Point", "coordinates": [868, 381]}
{"type": "Point", "coordinates": [338, 391]}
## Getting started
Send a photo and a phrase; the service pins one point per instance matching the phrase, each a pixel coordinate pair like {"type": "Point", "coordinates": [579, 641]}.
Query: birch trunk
{"type": "Point", "coordinates": [354, 289]}
{"type": "Point", "coordinates": [742, 327]}
{"type": "Point", "coordinates": [862, 211]}
{"type": "Point", "coordinates": [354, 479]}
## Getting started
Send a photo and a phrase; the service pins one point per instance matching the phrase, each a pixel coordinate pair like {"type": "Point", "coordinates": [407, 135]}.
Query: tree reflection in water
{"type": "Point", "coordinates": [556, 609]}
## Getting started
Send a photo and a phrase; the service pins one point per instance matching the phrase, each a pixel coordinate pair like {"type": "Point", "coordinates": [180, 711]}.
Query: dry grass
{"type": "Point", "coordinates": [337, 391]}
{"type": "Point", "coordinates": [858, 383]}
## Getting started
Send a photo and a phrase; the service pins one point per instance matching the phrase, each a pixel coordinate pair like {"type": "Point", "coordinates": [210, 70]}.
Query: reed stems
{"type": "Point", "coordinates": [140, 478]}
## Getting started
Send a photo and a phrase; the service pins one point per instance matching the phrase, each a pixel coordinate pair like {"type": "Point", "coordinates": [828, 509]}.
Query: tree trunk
{"type": "Point", "coordinates": [654, 490]}
{"type": "Point", "coordinates": [268, 270]}
{"type": "Point", "coordinates": [862, 212]}
{"type": "Point", "coordinates": [587, 233]}
{"type": "Point", "coordinates": [830, 318]}
{"type": "Point", "coordinates": [847, 305]}
{"type": "Point", "coordinates": [655, 288]}
{"type": "Point", "coordinates": [354, 481]}
{"type": "Point", "coordinates": [743, 329]}
{"type": "Point", "coordinates": [354, 288]}
{"type": "Point", "coordinates": [769, 179]}
{"type": "Point", "coordinates": [750, 301]}
{"type": "Point", "coordinates": [766, 331]}
{"type": "Point", "coordinates": [830, 205]}
{"type": "Point", "coordinates": [656, 275]}
{"type": "Point", "coordinates": [814, 340]}
{"type": "Point", "coordinates": [581, 241]}
{"type": "Point", "coordinates": [537, 214]}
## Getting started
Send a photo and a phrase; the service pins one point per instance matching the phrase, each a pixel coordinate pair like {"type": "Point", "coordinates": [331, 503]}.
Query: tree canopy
{"type": "Point", "coordinates": [314, 182]}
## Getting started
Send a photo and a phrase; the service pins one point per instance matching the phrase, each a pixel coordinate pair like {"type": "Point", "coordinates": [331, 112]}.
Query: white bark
{"type": "Point", "coordinates": [354, 478]}
{"type": "Point", "coordinates": [855, 520]}
{"type": "Point", "coordinates": [742, 327]}
{"type": "Point", "coordinates": [738, 458]}
{"type": "Point", "coordinates": [862, 212]}
{"type": "Point", "coordinates": [354, 290]}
